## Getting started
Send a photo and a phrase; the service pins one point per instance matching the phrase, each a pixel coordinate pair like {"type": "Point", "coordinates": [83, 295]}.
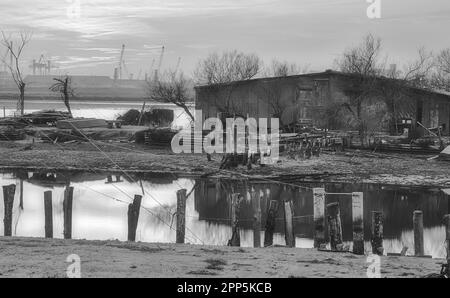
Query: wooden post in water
{"type": "Point", "coordinates": [235, 210]}
{"type": "Point", "coordinates": [289, 233]}
{"type": "Point", "coordinates": [67, 210]}
{"type": "Point", "coordinates": [48, 213]}
{"type": "Point", "coordinates": [272, 211]}
{"type": "Point", "coordinates": [256, 200]}
{"type": "Point", "coordinates": [319, 216]}
{"type": "Point", "coordinates": [447, 236]}
{"type": "Point", "coordinates": [358, 223]}
{"type": "Point", "coordinates": [8, 199]}
{"type": "Point", "coordinates": [419, 250]}
{"type": "Point", "coordinates": [377, 233]}
{"type": "Point", "coordinates": [133, 217]}
{"type": "Point", "coordinates": [181, 215]}
{"type": "Point", "coordinates": [334, 226]}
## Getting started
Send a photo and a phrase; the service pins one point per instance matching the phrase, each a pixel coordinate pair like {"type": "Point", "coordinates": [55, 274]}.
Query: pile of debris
{"type": "Point", "coordinates": [10, 133]}
{"type": "Point", "coordinates": [45, 117]}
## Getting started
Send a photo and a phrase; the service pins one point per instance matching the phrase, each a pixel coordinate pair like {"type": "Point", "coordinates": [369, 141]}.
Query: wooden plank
{"type": "Point", "coordinates": [67, 210]}
{"type": "Point", "coordinates": [319, 216]}
{"type": "Point", "coordinates": [377, 233]}
{"type": "Point", "coordinates": [358, 223]}
{"type": "Point", "coordinates": [181, 215]}
{"type": "Point", "coordinates": [8, 199]}
{"type": "Point", "coordinates": [48, 213]}
{"type": "Point", "coordinates": [335, 226]}
{"type": "Point", "coordinates": [235, 210]}
{"type": "Point", "coordinates": [419, 249]}
{"type": "Point", "coordinates": [256, 200]}
{"type": "Point", "coordinates": [133, 217]}
{"type": "Point", "coordinates": [272, 211]}
{"type": "Point", "coordinates": [289, 233]}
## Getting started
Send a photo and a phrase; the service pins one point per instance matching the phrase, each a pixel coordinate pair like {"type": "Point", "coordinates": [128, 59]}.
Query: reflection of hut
{"type": "Point", "coordinates": [397, 204]}
{"type": "Point", "coordinates": [59, 179]}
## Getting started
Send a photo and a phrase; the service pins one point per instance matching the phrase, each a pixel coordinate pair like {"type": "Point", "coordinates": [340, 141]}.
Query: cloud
{"type": "Point", "coordinates": [304, 31]}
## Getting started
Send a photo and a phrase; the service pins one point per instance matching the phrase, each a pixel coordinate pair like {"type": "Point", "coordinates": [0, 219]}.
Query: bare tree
{"type": "Point", "coordinates": [417, 73]}
{"type": "Point", "coordinates": [224, 69]}
{"type": "Point", "coordinates": [441, 78]}
{"type": "Point", "coordinates": [284, 69]}
{"type": "Point", "coordinates": [227, 67]}
{"type": "Point", "coordinates": [15, 53]}
{"type": "Point", "coordinates": [172, 88]}
{"type": "Point", "coordinates": [64, 87]}
{"type": "Point", "coordinates": [364, 63]}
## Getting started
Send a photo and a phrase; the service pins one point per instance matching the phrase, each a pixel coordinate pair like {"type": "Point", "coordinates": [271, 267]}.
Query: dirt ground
{"type": "Point", "coordinates": [349, 166]}
{"type": "Point", "coordinates": [33, 257]}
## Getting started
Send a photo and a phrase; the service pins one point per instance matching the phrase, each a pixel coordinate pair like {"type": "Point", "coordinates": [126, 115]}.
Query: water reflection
{"type": "Point", "coordinates": [101, 201]}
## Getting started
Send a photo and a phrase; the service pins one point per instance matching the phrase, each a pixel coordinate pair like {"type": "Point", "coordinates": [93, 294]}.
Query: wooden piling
{"type": "Point", "coordinates": [289, 233]}
{"type": "Point", "coordinates": [67, 210]}
{"type": "Point", "coordinates": [358, 223]}
{"type": "Point", "coordinates": [181, 215]}
{"type": "Point", "coordinates": [335, 226]}
{"type": "Point", "coordinates": [447, 236]}
{"type": "Point", "coordinates": [419, 250]}
{"type": "Point", "coordinates": [133, 217]}
{"type": "Point", "coordinates": [319, 216]}
{"type": "Point", "coordinates": [256, 201]}
{"type": "Point", "coordinates": [8, 199]}
{"type": "Point", "coordinates": [272, 211]}
{"type": "Point", "coordinates": [377, 233]}
{"type": "Point", "coordinates": [235, 210]}
{"type": "Point", "coordinates": [48, 213]}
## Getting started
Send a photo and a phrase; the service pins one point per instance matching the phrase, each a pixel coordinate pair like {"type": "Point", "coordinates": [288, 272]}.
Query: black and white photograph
{"type": "Point", "coordinates": [225, 145]}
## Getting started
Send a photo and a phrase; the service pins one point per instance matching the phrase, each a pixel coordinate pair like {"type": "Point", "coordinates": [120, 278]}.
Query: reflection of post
{"type": "Point", "coordinates": [334, 226]}
{"type": "Point", "coordinates": [377, 232]}
{"type": "Point", "coordinates": [419, 250]}
{"type": "Point", "coordinates": [21, 194]}
{"type": "Point", "coordinates": [358, 223]}
{"type": "Point", "coordinates": [8, 199]}
{"type": "Point", "coordinates": [133, 217]}
{"type": "Point", "coordinates": [48, 212]}
{"type": "Point", "coordinates": [235, 210]}
{"type": "Point", "coordinates": [289, 233]}
{"type": "Point", "coordinates": [181, 215]}
{"type": "Point", "coordinates": [319, 216]}
{"type": "Point", "coordinates": [67, 209]}
{"type": "Point", "coordinates": [447, 236]}
{"type": "Point", "coordinates": [270, 222]}
{"type": "Point", "coordinates": [256, 200]}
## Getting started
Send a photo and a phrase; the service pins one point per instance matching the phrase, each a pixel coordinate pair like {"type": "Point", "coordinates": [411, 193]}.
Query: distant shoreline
{"type": "Point", "coordinates": [13, 98]}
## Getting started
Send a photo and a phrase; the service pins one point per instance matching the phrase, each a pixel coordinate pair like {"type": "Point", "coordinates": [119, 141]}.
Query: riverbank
{"type": "Point", "coordinates": [37, 257]}
{"type": "Point", "coordinates": [351, 166]}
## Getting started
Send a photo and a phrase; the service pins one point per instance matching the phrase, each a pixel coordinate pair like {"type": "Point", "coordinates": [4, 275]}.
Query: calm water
{"type": "Point", "coordinates": [92, 109]}
{"type": "Point", "coordinates": [100, 209]}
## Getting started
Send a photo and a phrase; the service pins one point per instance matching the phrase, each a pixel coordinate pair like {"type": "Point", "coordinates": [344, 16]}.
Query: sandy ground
{"type": "Point", "coordinates": [34, 257]}
{"type": "Point", "coordinates": [350, 166]}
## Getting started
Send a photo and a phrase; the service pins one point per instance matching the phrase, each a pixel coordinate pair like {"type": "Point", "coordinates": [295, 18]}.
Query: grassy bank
{"type": "Point", "coordinates": [351, 166]}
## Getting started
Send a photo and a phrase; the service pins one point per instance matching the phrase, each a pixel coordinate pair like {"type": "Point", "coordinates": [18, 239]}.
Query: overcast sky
{"type": "Point", "coordinates": [309, 32]}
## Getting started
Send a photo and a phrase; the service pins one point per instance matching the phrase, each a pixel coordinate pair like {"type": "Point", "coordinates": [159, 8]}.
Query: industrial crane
{"type": "Point", "coordinates": [157, 70]}
{"type": "Point", "coordinates": [42, 65]}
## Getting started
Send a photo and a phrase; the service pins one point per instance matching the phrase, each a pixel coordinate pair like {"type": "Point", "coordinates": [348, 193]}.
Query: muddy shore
{"type": "Point", "coordinates": [350, 166]}
{"type": "Point", "coordinates": [35, 257]}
